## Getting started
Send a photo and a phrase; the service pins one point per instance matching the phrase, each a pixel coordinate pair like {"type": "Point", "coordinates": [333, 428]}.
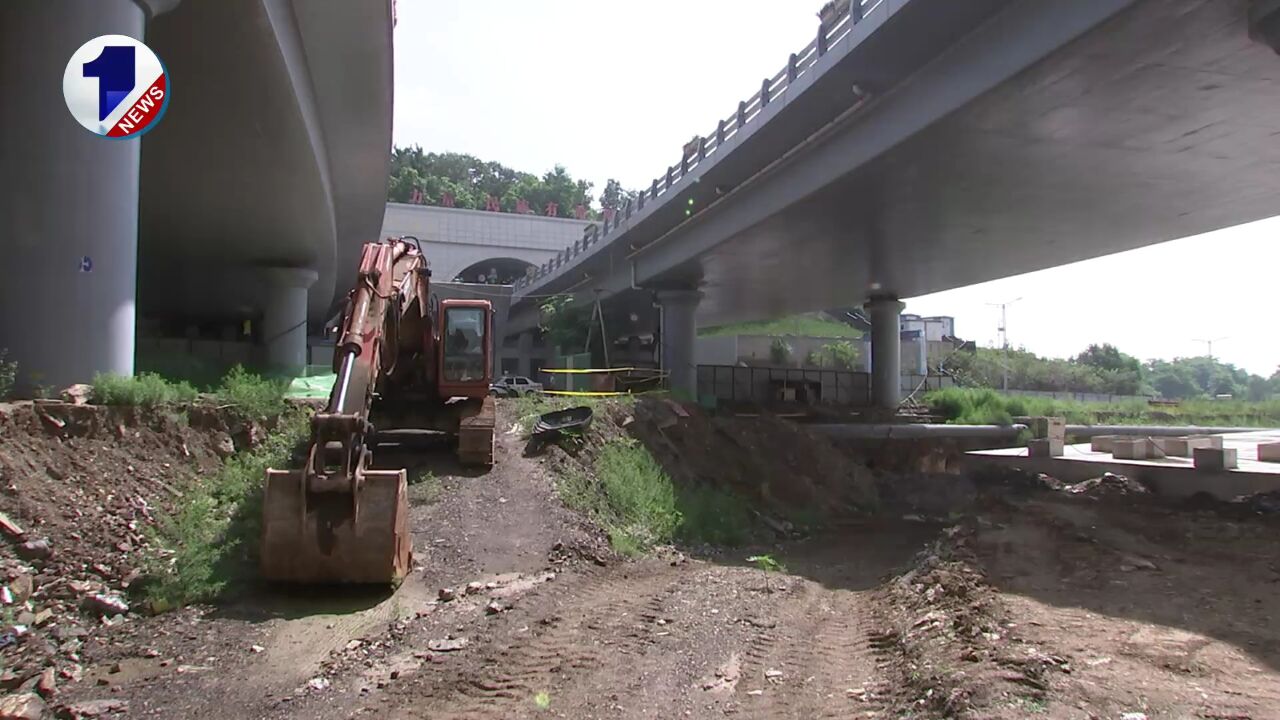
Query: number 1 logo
{"type": "Point", "coordinates": [114, 68]}
{"type": "Point", "coordinates": [115, 87]}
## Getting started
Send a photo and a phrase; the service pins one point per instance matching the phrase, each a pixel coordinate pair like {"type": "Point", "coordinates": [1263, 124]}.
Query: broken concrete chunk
{"type": "Point", "coordinates": [318, 683]}
{"type": "Point", "coordinates": [474, 587]}
{"type": "Point", "coordinates": [494, 608]}
{"type": "Point", "coordinates": [447, 644]}
{"type": "Point", "coordinates": [447, 594]}
{"type": "Point", "coordinates": [105, 604]}
{"type": "Point", "coordinates": [10, 528]}
{"type": "Point", "coordinates": [94, 708]}
{"type": "Point", "coordinates": [48, 683]}
{"type": "Point", "coordinates": [38, 549]}
{"type": "Point", "coordinates": [22, 587]}
{"type": "Point", "coordinates": [21, 706]}
{"type": "Point", "coordinates": [77, 394]}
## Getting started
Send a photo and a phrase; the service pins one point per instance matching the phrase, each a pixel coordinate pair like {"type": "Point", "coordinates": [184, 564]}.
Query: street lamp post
{"type": "Point", "coordinates": [1004, 336]}
{"type": "Point", "coordinates": [1209, 342]}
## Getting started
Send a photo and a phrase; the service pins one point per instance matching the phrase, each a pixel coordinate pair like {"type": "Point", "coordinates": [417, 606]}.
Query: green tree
{"type": "Point", "coordinates": [614, 196]}
{"type": "Point", "coordinates": [566, 323]}
{"type": "Point", "coordinates": [471, 181]}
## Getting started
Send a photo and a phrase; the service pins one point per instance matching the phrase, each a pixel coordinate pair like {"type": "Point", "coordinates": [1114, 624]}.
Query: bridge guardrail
{"type": "Point", "coordinates": [798, 64]}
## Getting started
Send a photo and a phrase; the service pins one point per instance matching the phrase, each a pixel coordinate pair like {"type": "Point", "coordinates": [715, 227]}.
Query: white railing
{"type": "Point", "coordinates": [829, 33]}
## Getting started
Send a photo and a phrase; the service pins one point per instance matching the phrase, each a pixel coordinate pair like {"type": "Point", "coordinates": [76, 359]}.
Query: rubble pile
{"type": "Point", "coordinates": [946, 616]}
{"type": "Point", "coordinates": [1108, 485]}
{"type": "Point", "coordinates": [81, 488]}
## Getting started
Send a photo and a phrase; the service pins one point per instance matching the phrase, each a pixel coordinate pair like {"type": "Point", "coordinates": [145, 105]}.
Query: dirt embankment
{"type": "Point", "coordinates": [925, 596]}
{"type": "Point", "coordinates": [82, 489]}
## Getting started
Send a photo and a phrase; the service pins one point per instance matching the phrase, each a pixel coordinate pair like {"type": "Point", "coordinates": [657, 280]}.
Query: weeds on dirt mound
{"type": "Point", "coordinates": [8, 374]}
{"type": "Point", "coordinates": [210, 540]}
{"type": "Point", "coordinates": [634, 500]}
{"type": "Point", "coordinates": [251, 394]}
{"type": "Point", "coordinates": [143, 390]}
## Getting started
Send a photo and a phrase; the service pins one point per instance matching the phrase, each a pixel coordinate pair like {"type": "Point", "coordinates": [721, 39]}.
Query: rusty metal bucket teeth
{"type": "Point", "coordinates": [310, 537]}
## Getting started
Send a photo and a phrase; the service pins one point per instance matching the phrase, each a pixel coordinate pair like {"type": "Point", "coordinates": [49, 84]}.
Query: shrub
{"type": "Point", "coordinates": [8, 374]}
{"type": "Point", "coordinates": [634, 500]}
{"type": "Point", "coordinates": [142, 390]}
{"type": "Point", "coordinates": [780, 351]}
{"type": "Point", "coordinates": [251, 394]}
{"type": "Point", "coordinates": [209, 540]}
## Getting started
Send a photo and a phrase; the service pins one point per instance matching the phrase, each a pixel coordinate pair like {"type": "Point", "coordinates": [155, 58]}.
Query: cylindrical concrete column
{"type": "Point", "coordinates": [524, 353]}
{"type": "Point", "coordinates": [284, 317]}
{"type": "Point", "coordinates": [886, 352]}
{"type": "Point", "coordinates": [678, 335]}
{"type": "Point", "coordinates": [68, 203]}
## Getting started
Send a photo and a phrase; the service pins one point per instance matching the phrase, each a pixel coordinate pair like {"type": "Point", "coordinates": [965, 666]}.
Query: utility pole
{"type": "Point", "coordinates": [1004, 336]}
{"type": "Point", "coordinates": [1209, 342]}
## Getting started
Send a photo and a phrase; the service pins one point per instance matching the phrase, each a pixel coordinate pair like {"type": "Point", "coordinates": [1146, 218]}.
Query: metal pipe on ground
{"type": "Point", "coordinates": [889, 431]}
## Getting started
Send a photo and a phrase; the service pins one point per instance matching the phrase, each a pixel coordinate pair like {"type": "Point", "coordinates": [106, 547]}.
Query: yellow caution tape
{"type": "Point", "coordinates": [584, 371]}
{"type": "Point", "coordinates": [578, 393]}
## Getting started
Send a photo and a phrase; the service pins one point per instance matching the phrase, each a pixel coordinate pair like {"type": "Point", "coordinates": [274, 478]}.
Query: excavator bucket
{"type": "Point", "coordinates": [333, 537]}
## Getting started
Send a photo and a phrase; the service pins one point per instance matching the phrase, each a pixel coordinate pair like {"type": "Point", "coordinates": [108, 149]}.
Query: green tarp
{"type": "Point", "coordinates": [313, 387]}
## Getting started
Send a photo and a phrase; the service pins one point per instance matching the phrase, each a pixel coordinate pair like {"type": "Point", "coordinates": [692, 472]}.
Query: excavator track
{"type": "Point", "coordinates": [475, 435]}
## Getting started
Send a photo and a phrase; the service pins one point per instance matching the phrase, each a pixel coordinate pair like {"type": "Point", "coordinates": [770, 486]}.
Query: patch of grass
{"type": "Point", "coordinates": [800, 325]}
{"type": "Point", "coordinates": [210, 540]}
{"type": "Point", "coordinates": [529, 407]}
{"type": "Point", "coordinates": [714, 516]}
{"type": "Point", "coordinates": [143, 390]}
{"type": "Point", "coordinates": [425, 487]}
{"type": "Point", "coordinates": [638, 505]}
{"type": "Point", "coordinates": [251, 394]}
{"type": "Point", "coordinates": [981, 406]}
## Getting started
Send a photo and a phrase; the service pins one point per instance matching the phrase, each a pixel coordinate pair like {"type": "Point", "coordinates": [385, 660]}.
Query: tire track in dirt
{"type": "Point", "coordinates": [822, 644]}
{"type": "Point", "coordinates": [588, 631]}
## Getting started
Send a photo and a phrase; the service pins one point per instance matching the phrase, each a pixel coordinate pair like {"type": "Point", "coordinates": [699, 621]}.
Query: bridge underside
{"type": "Point", "coordinates": [1158, 124]}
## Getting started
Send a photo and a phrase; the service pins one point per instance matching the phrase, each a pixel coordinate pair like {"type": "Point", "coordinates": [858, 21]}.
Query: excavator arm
{"type": "Point", "coordinates": [337, 520]}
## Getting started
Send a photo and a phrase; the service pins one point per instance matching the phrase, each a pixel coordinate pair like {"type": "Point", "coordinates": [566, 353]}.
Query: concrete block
{"type": "Point", "coordinates": [1045, 447]}
{"type": "Point", "coordinates": [1124, 448]}
{"type": "Point", "coordinates": [1213, 441]}
{"type": "Point", "coordinates": [1103, 443]}
{"type": "Point", "coordinates": [1183, 446]}
{"type": "Point", "coordinates": [1215, 459]}
{"type": "Point", "coordinates": [1269, 452]}
{"type": "Point", "coordinates": [1053, 428]}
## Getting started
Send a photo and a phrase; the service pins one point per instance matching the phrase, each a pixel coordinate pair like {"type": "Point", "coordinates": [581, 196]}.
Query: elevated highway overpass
{"type": "Point", "coordinates": [244, 208]}
{"type": "Point", "coordinates": [931, 144]}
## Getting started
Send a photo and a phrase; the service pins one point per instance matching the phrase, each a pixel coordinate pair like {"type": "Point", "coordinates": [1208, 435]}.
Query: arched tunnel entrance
{"type": "Point", "coordinates": [494, 271]}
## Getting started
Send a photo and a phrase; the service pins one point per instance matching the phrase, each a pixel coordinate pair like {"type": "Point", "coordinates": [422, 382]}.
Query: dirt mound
{"type": "Point", "coordinates": [82, 487]}
{"type": "Point", "coordinates": [959, 654]}
{"type": "Point", "coordinates": [1263, 503]}
{"type": "Point", "coordinates": [1109, 485]}
{"type": "Point", "coordinates": [775, 463]}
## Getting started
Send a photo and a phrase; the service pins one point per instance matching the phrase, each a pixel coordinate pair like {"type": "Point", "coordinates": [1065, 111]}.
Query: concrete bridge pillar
{"type": "Point", "coordinates": [886, 352]}
{"type": "Point", "coordinates": [68, 200]}
{"type": "Point", "coordinates": [524, 351]}
{"type": "Point", "coordinates": [678, 334]}
{"type": "Point", "coordinates": [284, 316]}
{"type": "Point", "coordinates": [68, 203]}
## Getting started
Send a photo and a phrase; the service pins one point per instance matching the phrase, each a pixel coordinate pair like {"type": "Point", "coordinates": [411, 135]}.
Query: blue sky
{"type": "Point", "coordinates": [613, 89]}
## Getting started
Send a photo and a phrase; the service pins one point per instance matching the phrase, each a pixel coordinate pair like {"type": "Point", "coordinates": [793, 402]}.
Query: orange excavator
{"type": "Point", "coordinates": [405, 360]}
